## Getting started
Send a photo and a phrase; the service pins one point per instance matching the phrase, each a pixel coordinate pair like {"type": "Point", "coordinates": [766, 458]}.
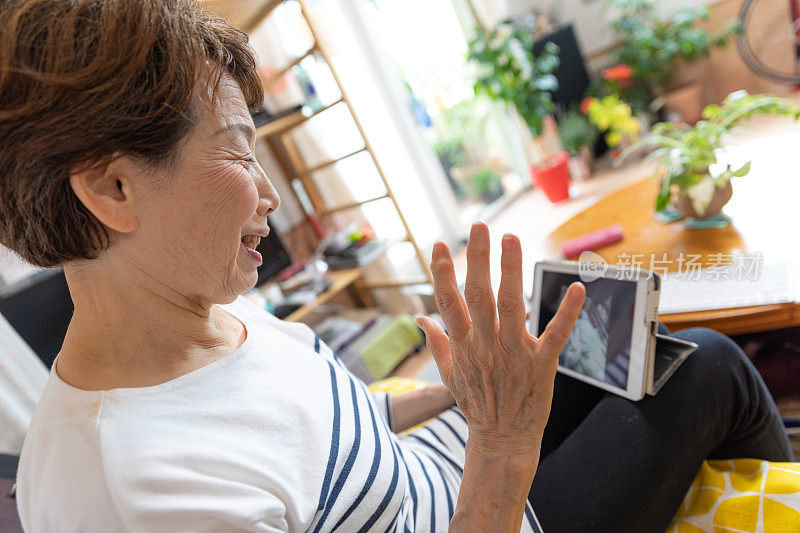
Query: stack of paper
{"type": "Point", "coordinates": [726, 287]}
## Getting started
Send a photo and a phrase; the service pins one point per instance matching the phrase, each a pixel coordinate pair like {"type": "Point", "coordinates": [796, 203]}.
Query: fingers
{"type": "Point", "coordinates": [445, 291]}
{"type": "Point", "coordinates": [558, 330]}
{"type": "Point", "coordinates": [478, 287]}
{"type": "Point", "coordinates": [510, 299]}
{"type": "Point", "coordinates": [438, 344]}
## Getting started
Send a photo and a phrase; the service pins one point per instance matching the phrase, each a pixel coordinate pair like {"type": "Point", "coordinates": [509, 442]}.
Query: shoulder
{"type": "Point", "coordinates": [60, 465]}
{"type": "Point", "coordinates": [129, 465]}
{"type": "Point", "coordinates": [234, 463]}
{"type": "Point", "coordinates": [243, 308]}
{"type": "Point", "coordinates": [221, 449]}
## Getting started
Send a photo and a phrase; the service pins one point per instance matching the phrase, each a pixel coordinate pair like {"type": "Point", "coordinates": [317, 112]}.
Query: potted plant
{"type": "Point", "coordinates": [653, 46]}
{"type": "Point", "coordinates": [613, 117]}
{"type": "Point", "coordinates": [509, 72]}
{"type": "Point", "coordinates": [487, 184]}
{"type": "Point", "coordinates": [451, 154]}
{"type": "Point", "coordinates": [456, 138]}
{"type": "Point", "coordinates": [578, 136]}
{"type": "Point", "coordinates": [685, 154]}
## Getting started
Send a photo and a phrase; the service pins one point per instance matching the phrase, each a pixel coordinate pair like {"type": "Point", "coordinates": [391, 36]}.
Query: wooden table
{"type": "Point", "coordinates": [765, 211]}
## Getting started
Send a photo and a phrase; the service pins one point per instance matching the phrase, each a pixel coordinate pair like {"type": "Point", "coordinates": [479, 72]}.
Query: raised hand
{"type": "Point", "coordinates": [500, 375]}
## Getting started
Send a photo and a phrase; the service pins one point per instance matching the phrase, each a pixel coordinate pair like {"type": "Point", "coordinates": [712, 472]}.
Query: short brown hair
{"type": "Point", "coordinates": [81, 80]}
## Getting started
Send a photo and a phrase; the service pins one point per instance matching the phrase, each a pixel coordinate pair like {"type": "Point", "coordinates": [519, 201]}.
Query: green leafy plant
{"type": "Point", "coordinates": [509, 72]}
{"type": "Point", "coordinates": [450, 151]}
{"type": "Point", "coordinates": [613, 116]}
{"type": "Point", "coordinates": [458, 137]}
{"type": "Point", "coordinates": [685, 153]}
{"type": "Point", "coordinates": [576, 131]}
{"type": "Point", "coordinates": [487, 184]}
{"type": "Point", "coordinates": [652, 45]}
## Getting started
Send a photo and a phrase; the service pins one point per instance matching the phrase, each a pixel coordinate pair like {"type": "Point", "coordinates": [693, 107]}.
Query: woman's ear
{"type": "Point", "coordinates": [107, 192]}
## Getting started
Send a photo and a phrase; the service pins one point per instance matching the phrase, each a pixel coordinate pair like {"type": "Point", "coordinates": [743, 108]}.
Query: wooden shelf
{"type": "Point", "coordinates": [285, 148]}
{"type": "Point", "coordinates": [280, 74]}
{"type": "Point", "coordinates": [393, 283]}
{"type": "Point", "coordinates": [290, 121]}
{"type": "Point", "coordinates": [282, 124]}
{"type": "Point", "coordinates": [261, 15]}
{"type": "Point", "coordinates": [340, 279]}
{"type": "Point", "coordinates": [326, 164]}
{"type": "Point", "coordinates": [352, 205]}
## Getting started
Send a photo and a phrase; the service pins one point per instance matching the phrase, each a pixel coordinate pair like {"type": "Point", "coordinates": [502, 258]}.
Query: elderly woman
{"type": "Point", "coordinates": [175, 405]}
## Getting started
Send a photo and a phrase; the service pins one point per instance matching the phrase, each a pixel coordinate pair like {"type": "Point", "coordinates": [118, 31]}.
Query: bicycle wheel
{"type": "Point", "coordinates": [770, 40]}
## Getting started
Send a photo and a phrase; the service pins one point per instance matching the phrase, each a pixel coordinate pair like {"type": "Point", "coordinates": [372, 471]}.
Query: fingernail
{"type": "Point", "coordinates": [476, 226]}
{"type": "Point", "coordinates": [577, 284]}
{"type": "Point", "coordinates": [507, 240]}
{"type": "Point", "coordinates": [445, 250]}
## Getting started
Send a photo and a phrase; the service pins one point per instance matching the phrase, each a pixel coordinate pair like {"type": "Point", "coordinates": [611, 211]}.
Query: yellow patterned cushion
{"type": "Point", "coordinates": [741, 495]}
{"type": "Point", "coordinates": [396, 385]}
{"type": "Point", "coordinates": [735, 496]}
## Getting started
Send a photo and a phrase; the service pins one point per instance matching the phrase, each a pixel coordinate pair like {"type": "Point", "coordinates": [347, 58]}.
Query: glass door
{"type": "Point", "coordinates": [475, 141]}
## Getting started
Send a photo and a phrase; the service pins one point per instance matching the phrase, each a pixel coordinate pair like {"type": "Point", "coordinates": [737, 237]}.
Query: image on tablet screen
{"type": "Point", "coordinates": [600, 343]}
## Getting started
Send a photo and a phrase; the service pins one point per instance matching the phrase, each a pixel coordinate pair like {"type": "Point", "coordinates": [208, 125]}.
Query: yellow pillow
{"type": "Point", "coordinates": [741, 495]}
{"type": "Point", "coordinates": [735, 496]}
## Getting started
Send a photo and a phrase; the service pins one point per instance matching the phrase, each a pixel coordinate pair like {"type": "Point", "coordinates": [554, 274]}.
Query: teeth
{"type": "Point", "coordinates": [251, 241]}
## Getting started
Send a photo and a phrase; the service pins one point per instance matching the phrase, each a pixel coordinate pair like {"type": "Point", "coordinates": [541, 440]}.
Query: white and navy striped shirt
{"type": "Point", "coordinates": [277, 436]}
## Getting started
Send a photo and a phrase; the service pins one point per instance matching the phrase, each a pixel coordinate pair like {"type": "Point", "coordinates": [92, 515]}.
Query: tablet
{"type": "Point", "coordinates": [610, 344]}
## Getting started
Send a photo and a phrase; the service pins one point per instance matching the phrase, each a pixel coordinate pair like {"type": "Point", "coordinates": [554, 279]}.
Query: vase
{"type": "Point", "coordinates": [721, 197]}
{"type": "Point", "coordinates": [553, 177]}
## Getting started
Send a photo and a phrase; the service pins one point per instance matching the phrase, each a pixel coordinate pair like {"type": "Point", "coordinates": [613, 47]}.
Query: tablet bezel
{"type": "Point", "coordinates": [640, 332]}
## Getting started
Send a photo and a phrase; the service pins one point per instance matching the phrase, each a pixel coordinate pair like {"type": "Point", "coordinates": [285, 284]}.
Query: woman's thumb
{"type": "Point", "coordinates": [438, 343]}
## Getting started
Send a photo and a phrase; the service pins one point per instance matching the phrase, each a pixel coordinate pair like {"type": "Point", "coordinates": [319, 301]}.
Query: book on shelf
{"type": "Point", "coordinates": [356, 254]}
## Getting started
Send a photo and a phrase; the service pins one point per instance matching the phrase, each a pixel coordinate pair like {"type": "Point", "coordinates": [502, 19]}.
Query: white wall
{"type": "Point", "coordinates": [22, 380]}
{"type": "Point", "coordinates": [588, 16]}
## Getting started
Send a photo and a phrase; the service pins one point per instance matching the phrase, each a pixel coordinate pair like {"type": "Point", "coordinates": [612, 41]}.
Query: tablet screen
{"type": "Point", "coordinates": [600, 345]}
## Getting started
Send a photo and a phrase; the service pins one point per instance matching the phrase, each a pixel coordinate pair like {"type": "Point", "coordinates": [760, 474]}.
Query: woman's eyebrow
{"type": "Point", "coordinates": [246, 129]}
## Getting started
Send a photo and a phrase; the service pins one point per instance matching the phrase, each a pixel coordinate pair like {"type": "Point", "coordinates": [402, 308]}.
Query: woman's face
{"type": "Point", "coordinates": [201, 220]}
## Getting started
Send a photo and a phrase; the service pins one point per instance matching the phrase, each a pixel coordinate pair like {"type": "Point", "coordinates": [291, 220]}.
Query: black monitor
{"type": "Point", "coordinates": [573, 80]}
{"type": "Point", "coordinates": [40, 312]}
{"type": "Point", "coordinates": [275, 257]}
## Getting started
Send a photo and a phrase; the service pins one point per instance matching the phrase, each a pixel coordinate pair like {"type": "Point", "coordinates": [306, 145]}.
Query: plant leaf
{"type": "Point", "coordinates": [662, 200]}
{"type": "Point", "coordinates": [744, 171]}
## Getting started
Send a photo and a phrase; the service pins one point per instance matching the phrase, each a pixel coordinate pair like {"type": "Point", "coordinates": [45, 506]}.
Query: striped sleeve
{"type": "Point", "coordinates": [383, 401]}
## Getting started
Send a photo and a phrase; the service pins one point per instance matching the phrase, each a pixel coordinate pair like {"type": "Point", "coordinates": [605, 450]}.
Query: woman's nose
{"type": "Point", "coordinates": [268, 200]}
{"type": "Point", "coordinates": [266, 206]}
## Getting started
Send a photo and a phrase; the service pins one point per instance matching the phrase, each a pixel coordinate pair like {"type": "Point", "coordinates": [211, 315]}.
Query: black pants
{"type": "Point", "coordinates": [610, 464]}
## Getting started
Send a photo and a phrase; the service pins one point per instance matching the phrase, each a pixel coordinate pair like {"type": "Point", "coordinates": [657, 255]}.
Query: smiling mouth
{"type": "Point", "coordinates": [251, 241]}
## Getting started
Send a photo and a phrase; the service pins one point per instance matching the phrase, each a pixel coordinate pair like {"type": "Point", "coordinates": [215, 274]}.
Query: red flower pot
{"type": "Point", "coordinates": [553, 177]}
